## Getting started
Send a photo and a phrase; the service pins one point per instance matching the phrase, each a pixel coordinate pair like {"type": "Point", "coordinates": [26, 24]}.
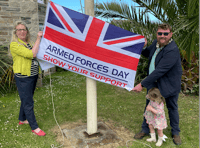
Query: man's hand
{"type": "Point", "coordinates": [145, 44]}
{"type": "Point", "coordinates": [138, 88]}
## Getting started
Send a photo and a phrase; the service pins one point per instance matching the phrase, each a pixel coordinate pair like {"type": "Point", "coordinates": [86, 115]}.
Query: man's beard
{"type": "Point", "coordinates": [163, 44]}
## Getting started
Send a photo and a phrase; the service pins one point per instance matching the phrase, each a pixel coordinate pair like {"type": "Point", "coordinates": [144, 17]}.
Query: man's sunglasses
{"type": "Point", "coordinates": [165, 33]}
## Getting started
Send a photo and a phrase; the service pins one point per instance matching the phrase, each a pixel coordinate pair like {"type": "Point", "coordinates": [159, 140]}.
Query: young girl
{"type": "Point", "coordinates": [155, 115]}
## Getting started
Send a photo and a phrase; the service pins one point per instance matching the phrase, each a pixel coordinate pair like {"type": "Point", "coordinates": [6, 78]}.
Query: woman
{"type": "Point", "coordinates": [26, 69]}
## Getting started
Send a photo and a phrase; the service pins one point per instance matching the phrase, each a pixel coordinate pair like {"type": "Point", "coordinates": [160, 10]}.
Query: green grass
{"type": "Point", "coordinates": [69, 93]}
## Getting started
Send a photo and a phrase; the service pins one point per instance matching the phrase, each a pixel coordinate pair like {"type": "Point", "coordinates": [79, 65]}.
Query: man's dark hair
{"type": "Point", "coordinates": [165, 27]}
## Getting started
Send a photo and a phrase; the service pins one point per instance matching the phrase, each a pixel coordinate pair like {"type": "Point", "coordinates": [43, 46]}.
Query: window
{"type": "Point", "coordinates": [41, 27]}
{"type": "Point", "coordinates": [41, 1]}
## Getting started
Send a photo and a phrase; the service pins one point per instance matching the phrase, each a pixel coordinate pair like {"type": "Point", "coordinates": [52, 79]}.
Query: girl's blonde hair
{"type": "Point", "coordinates": [14, 37]}
{"type": "Point", "coordinates": [155, 95]}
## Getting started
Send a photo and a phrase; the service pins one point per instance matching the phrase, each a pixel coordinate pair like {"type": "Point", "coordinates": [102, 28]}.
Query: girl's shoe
{"type": "Point", "coordinates": [160, 141]}
{"type": "Point", "coordinates": [153, 137]}
{"type": "Point", "coordinates": [40, 133]}
{"type": "Point", "coordinates": [21, 122]}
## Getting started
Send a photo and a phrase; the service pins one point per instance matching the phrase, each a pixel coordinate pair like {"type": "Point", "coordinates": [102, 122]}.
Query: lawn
{"type": "Point", "coordinates": [69, 93]}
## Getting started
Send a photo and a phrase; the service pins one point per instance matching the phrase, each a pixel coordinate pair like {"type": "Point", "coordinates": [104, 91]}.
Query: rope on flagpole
{"type": "Point", "coordinates": [81, 6]}
{"type": "Point", "coordinates": [52, 145]}
{"type": "Point", "coordinates": [54, 112]}
{"type": "Point", "coordinates": [138, 142]}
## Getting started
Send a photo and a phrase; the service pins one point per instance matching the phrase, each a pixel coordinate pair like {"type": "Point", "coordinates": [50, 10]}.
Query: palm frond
{"type": "Point", "coordinates": [159, 8]}
{"type": "Point", "coordinates": [188, 24]}
{"type": "Point", "coordinates": [111, 9]}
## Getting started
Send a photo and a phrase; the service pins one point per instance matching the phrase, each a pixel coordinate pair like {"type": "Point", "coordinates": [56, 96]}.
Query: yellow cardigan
{"type": "Point", "coordinates": [22, 58]}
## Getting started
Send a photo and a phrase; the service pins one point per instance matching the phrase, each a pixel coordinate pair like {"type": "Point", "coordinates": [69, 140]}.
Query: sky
{"type": "Point", "coordinates": [76, 4]}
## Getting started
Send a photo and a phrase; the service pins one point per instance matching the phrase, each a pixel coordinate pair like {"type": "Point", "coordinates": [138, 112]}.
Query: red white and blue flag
{"type": "Point", "coordinates": [89, 46]}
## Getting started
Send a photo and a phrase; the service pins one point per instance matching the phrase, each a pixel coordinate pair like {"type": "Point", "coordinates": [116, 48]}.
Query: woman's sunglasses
{"type": "Point", "coordinates": [165, 33]}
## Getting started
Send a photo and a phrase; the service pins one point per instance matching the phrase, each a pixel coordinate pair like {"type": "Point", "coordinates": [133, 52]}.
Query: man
{"type": "Point", "coordinates": [164, 72]}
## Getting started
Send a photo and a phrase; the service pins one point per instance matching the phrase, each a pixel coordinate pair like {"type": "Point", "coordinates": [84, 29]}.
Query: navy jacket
{"type": "Point", "coordinates": [168, 70]}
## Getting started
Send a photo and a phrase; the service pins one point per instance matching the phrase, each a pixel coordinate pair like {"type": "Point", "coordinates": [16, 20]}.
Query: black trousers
{"type": "Point", "coordinates": [26, 87]}
{"type": "Point", "coordinates": [172, 106]}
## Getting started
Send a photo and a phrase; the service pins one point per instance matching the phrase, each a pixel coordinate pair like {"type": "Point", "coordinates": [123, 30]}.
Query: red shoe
{"type": "Point", "coordinates": [40, 133]}
{"type": "Point", "coordinates": [20, 123]}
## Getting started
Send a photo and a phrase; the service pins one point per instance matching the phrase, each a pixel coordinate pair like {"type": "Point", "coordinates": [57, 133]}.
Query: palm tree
{"type": "Point", "coordinates": [187, 27]}
{"type": "Point", "coordinates": [6, 73]}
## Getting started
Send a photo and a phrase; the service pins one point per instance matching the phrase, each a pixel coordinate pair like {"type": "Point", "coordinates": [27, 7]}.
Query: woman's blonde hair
{"type": "Point", "coordinates": [14, 37]}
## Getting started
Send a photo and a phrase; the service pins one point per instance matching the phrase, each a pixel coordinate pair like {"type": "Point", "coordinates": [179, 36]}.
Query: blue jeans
{"type": "Point", "coordinates": [26, 87]}
{"type": "Point", "coordinates": [172, 106]}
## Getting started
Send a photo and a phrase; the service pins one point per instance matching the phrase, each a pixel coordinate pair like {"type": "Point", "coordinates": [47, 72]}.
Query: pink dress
{"type": "Point", "coordinates": [158, 120]}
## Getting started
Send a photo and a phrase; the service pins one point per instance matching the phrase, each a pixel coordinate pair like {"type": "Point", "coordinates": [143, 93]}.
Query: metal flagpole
{"type": "Point", "coordinates": [91, 86]}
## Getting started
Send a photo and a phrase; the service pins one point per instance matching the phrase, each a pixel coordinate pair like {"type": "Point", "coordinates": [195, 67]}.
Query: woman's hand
{"type": "Point", "coordinates": [40, 34]}
{"type": "Point", "coordinates": [37, 43]}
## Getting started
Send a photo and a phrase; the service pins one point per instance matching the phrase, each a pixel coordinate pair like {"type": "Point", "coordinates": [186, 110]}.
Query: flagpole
{"type": "Point", "coordinates": [91, 86]}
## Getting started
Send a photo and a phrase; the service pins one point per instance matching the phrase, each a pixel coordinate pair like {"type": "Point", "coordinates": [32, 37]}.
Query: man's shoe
{"type": "Point", "coordinates": [177, 139]}
{"type": "Point", "coordinates": [140, 135]}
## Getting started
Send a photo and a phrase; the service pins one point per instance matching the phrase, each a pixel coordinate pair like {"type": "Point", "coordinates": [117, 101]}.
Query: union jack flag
{"type": "Point", "coordinates": [103, 51]}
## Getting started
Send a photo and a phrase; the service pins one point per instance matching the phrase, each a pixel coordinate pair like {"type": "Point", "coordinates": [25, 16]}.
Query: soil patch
{"type": "Point", "coordinates": [119, 136]}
